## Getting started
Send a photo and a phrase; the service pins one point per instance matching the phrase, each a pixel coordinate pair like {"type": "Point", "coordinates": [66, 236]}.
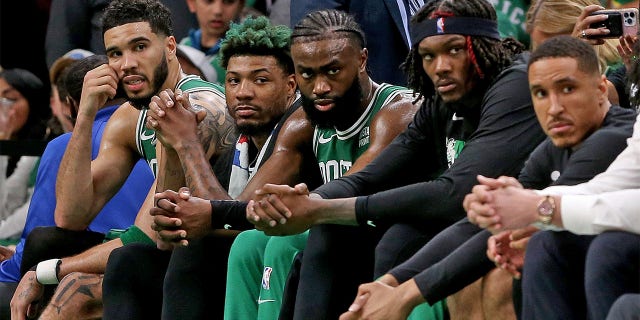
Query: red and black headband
{"type": "Point", "coordinates": [453, 25]}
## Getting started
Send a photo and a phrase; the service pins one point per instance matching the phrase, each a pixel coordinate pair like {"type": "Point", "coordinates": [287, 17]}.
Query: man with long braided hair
{"type": "Point", "coordinates": [487, 54]}
{"type": "Point", "coordinates": [476, 118]}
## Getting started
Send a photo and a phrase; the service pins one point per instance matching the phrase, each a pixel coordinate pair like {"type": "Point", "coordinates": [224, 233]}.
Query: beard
{"type": "Point", "coordinates": [344, 109]}
{"type": "Point", "coordinates": [159, 76]}
{"type": "Point", "coordinates": [469, 102]}
{"type": "Point", "coordinates": [259, 129]}
{"type": "Point", "coordinates": [120, 93]}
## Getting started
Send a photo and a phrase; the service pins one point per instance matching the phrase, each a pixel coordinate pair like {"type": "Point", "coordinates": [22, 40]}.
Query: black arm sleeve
{"type": "Point", "coordinates": [229, 214]}
{"type": "Point", "coordinates": [468, 262]}
{"type": "Point", "coordinates": [460, 242]}
{"type": "Point", "coordinates": [452, 277]}
{"type": "Point", "coordinates": [507, 133]}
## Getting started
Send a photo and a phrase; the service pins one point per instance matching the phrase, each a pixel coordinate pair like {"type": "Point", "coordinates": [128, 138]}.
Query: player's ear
{"type": "Point", "coordinates": [171, 47]}
{"type": "Point", "coordinates": [364, 55]}
{"type": "Point", "coordinates": [292, 85]}
{"type": "Point", "coordinates": [603, 88]}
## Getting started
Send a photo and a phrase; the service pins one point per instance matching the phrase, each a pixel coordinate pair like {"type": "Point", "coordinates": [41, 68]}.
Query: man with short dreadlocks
{"type": "Point", "coordinates": [476, 118]}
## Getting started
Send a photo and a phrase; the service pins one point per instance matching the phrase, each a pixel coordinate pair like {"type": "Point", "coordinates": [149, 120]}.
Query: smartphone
{"type": "Point", "coordinates": [619, 22]}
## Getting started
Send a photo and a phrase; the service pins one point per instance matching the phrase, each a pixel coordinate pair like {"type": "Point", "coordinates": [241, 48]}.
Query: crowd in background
{"type": "Point", "coordinates": [401, 198]}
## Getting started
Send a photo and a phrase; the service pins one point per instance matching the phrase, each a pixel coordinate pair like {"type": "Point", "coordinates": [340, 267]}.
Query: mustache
{"type": "Point", "coordinates": [444, 81]}
{"type": "Point", "coordinates": [558, 120]}
{"type": "Point", "coordinates": [324, 99]}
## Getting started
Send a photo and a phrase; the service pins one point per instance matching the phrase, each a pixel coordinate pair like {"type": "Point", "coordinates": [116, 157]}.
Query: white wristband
{"type": "Point", "coordinates": [47, 271]}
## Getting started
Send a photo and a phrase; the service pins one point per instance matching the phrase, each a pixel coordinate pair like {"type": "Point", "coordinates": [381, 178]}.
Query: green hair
{"type": "Point", "coordinates": [257, 36]}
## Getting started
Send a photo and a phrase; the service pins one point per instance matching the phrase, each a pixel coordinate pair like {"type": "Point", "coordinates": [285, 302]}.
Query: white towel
{"type": "Point", "coordinates": [240, 168]}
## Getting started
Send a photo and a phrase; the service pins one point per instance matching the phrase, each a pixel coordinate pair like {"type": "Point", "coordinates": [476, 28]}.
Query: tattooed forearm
{"type": "Point", "coordinates": [199, 176]}
{"type": "Point", "coordinates": [76, 292]}
{"type": "Point", "coordinates": [216, 135]}
{"type": "Point", "coordinates": [217, 131]}
{"type": "Point", "coordinates": [227, 135]}
{"type": "Point", "coordinates": [27, 292]}
{"type": "Point", "coordinates": [172, 176]}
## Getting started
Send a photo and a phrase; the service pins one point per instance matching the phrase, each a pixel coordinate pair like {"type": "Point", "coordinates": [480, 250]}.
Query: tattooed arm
{"type": "Point", "coordinates": [79, 296]}
{"type": "Point", "coordinates": [191, 131]}
{"type": "Point", "coordinates": [217, 134]}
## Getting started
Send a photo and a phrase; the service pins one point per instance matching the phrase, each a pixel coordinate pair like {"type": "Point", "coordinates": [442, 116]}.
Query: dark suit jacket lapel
{"type": "Point", "coordinates": [394, 11]}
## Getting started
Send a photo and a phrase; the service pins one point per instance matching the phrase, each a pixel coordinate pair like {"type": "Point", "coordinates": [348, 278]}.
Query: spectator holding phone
{"type": "Point", "coordinates": [608, 30]}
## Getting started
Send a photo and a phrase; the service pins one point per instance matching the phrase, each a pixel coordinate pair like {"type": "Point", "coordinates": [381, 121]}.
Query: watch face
{"type": "Point", "coordinates": [545, 208]}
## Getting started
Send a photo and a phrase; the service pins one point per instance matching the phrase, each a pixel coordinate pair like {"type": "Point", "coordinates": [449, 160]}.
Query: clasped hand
{"type": "Point", "coordinates": [173, 118]}
{"type": "Point", "coordinates": [179, 217]}
{"type": "Point", "coordinates": [500, 204]}
{"type": "Point", "coordinates": [281, 209]}
{"type": "Point", "coordinates": [507, 249]}
{"type": "Point", "coordinates": [381, 301]}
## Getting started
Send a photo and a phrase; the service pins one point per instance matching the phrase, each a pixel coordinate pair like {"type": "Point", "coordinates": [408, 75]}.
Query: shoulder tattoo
{"type": "Point", "coordinates": [217, 131]}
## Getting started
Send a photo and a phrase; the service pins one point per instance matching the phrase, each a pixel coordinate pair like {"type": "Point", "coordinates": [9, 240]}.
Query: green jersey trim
{"type": "Point", "coordinates": [146, 142]}
{"type": "Point", "coordinates": [146, 138]}
{"type": "Point", "coordinates": [193, 83]}
{"type": "Point", "coordinates": [381, 97]}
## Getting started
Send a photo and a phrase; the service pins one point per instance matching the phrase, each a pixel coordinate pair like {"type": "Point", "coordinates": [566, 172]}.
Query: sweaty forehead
{"type": "Point", "coordinates": [321, 50]}
{"type": "Point", "coordinates": [123, 34]}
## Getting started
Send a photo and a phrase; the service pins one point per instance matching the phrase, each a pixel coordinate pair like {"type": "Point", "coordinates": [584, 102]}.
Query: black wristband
{"type": "Point", "coordinates": [229, 214]}
{"type": "Point", "coordinates": [219, 210]}
{"type": "Point", "coordinates": [361, 212]}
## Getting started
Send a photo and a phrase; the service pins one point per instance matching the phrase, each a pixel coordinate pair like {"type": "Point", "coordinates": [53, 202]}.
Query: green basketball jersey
{"type": "Point", "coordinates": [146, 138]}
{"type": "Point", "coordinates": [146, 142]}
{"type": "Point", "coordinates": [337, 150]}
{"type": "Point", "coordinates": [512, 16]}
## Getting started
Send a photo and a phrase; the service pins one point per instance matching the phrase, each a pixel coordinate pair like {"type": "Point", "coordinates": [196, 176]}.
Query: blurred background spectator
{"type": "Point", "coordinates": [62, 114]}
{"type": "Point", "coordinates": [76, 24]}
{"type": "Point", "coordinates": [58, 26]}
{"type": "Point", "coordinates": [24, 103]}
